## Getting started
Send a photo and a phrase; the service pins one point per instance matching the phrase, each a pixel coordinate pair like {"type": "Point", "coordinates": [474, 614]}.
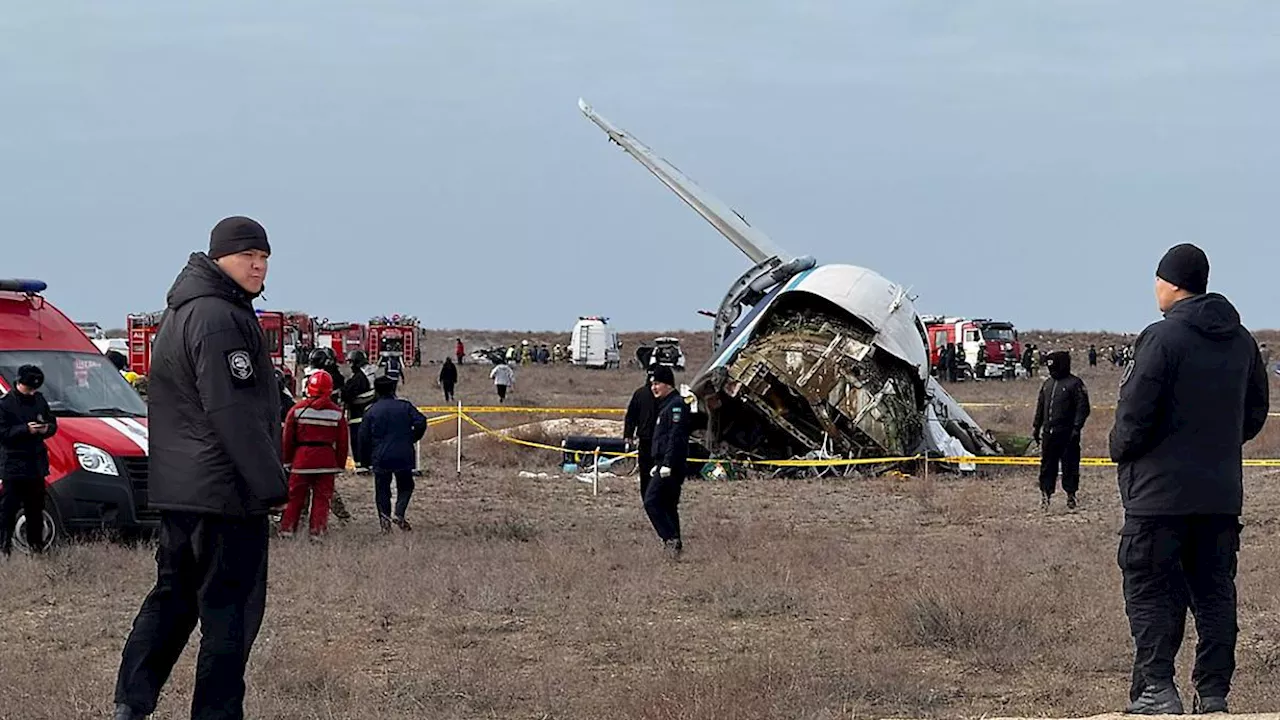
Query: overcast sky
{"type": "Point", "coordinates": [1019, 160]}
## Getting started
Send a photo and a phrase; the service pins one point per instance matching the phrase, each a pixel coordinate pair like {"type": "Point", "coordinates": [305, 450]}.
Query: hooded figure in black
{"type": "Point", "coordinates": [25, 423]}
{"type": "Point", "coordinates": [1194, 393]}
{"type": "Point", "coordinates": [216, 473]}
{"type": "Point", "coordinates": [638, 426]}
{"type": "Point", "coordinates": [1061, 411]}
{"type": "Point", "coordinates": [448, 378]}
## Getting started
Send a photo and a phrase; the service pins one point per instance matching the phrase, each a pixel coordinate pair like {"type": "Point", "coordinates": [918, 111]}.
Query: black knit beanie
{"type": "Point", "coordinates": [663, 374]}
{"type": "Point", "coordinates": [237, 234]}
{"type": "Point", "coordinates": [1185, 266]}
{"type": "Point", "coordinates": [31, 376]}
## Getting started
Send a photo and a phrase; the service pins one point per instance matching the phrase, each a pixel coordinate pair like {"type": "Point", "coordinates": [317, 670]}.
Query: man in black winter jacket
{"type": "Point", "coordinates": [215, 474]}
{"type": "Point", "coordinates": [670, 460]}
{"type": "Point", "coordinates": [358, 395]}
{"type": "Point", "coordinates": [1194, 393]}
{"type": "Point", "coordinates": [637, 427]}
{"type": "Point", "coordinates": [1061, 411]}
{"type": "Point", "coordinates": [25, 423]}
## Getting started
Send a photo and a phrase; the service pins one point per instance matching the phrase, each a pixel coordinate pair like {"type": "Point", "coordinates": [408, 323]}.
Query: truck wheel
{"type": "Point", "coordinates": [53, 530]}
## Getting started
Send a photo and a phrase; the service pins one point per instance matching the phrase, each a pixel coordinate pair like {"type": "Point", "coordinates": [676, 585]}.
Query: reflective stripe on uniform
{"type": "Point", "coordinates": [318, 471]}
{"type": "Point", "coordinates": [319, 414]}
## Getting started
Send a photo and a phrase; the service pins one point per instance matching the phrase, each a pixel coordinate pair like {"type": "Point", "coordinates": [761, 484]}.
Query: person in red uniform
{"type": "Point", "coordinates": [315, 451]}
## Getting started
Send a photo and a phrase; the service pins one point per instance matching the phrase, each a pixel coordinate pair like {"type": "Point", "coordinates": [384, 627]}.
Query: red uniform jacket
{"type": "Point", "coordinates": [315, 438]}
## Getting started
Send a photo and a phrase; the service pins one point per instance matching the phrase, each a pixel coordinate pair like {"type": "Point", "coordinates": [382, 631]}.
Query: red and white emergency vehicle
{"type": "Point", "coordinates": [995, 337]}
{"type": "Point", "coordinates": [98, 467]}
{"type": "Point", "coordinates": [142, 328]}
{"type": "Point", "coordinates": [395, 335]}
{"type": "Point", "coordinates": [273, 331]}
{"type": "Point", "coordinates": [343, 338]}
{"type": "Point", "coordinates": [299, 332]}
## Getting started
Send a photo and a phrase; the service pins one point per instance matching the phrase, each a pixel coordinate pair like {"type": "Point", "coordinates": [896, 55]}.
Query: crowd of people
{"type": "Point", "coordinates": [230, 446]}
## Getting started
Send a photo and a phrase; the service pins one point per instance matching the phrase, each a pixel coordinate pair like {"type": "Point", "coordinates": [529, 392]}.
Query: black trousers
{"type": "Point", "coordinates": [382, 491]}
{"type": "Point", "coordinates": [662, 502]}
{"type": "Point", "coordinates": [212, 569]}
{"type": "Point", "coordinates": [1170, 565]}
{"type": "Point", "coordinates": [354, 452]}
{"type": "Point", "coordinates": [1059, 448]}
{"type": "Point", "coordinates": [448, 393]}
{"type": "Point", "coordinates": [502, 392]}
{"type": "Point", "coordinates": [644, 464]}
{"type": "Point", "coordinates": [27, 495]}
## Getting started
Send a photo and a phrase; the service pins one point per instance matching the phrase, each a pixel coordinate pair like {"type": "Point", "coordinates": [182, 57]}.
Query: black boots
{"type": "Point", "coordinates": [1157, 700]}
{"type": "Point", "coordinates": [124, 712]}
{"type": "Point", "coordinates": [673, 548]}
{"type": "Point", "coordinates": [1207, 705]}
{"type": "Point", "coordinates": [1071, 501]}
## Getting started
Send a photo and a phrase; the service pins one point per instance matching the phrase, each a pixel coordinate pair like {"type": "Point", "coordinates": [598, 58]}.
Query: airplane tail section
{"type": "Point", "coordinates": [753, 243]}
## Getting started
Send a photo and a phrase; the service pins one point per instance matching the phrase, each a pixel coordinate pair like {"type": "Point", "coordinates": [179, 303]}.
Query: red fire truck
{"type": "Point", "coordinates": [395, 335]}
{"type": "Point", "coordinates": [142, 328]}
{"type": "Point", "coordinates": [98, 468]}
{"type": "Point", "coordinates": [343, 337]}
{"type": "Point", "coordinates": [996, 338]}
{"type": "Point", "coordinates": [273, 330]}
{"type": "Point", "coordinates": [299, 332]}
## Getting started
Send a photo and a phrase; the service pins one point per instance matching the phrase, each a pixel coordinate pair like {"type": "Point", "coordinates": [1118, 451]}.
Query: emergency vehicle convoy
{"type": "Point", "coordinates": [396, 335]}
{"type": "Point", "coordinates": [997, 340]}
{"type": "Point", "coordinates": [98, 465]}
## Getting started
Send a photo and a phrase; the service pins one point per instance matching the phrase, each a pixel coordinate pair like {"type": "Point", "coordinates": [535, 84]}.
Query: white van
{"type": "Point", "coordinates": [594, 344]}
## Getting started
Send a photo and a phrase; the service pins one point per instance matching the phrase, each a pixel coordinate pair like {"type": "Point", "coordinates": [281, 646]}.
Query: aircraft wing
{"type": "Point", "coordinates": [753, 243]}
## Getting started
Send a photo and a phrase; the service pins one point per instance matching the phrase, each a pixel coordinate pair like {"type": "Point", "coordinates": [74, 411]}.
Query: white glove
{"type": "Point", "coordinates": [664, 471]}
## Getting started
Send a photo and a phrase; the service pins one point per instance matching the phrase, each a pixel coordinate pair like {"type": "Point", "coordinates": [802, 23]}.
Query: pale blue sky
{"type": "Point", "coordinates": [1025, 160]}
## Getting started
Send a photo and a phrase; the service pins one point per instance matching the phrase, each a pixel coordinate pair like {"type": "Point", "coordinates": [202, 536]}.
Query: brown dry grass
{"type": "Point", "coordinates": [532, 598]}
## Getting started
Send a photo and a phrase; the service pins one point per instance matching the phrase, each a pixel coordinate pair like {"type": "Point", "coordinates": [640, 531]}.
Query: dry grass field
{"type": "Point", "coordinates": [531, 598]}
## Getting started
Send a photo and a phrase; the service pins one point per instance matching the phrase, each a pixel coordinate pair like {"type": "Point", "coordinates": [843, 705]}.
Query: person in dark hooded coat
{"type": "Point", "coordinates": [1195, 392]}
{"type": "Point", "coordinates": [1061, 411]}
{"type": "Point", "coordinates": [215, 476]}
{"type": "Point", "coordinates": [448, 378]}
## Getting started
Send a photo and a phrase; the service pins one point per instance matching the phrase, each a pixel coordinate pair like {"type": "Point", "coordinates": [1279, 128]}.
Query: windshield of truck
{"type": "Point", "coordinates": [76, 384]}
{"type": "Point", "coordinates": [998, 333]}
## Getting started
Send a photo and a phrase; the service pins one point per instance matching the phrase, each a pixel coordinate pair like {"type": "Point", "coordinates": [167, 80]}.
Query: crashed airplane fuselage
{"type": "Point", "coordinates": [818, 361]}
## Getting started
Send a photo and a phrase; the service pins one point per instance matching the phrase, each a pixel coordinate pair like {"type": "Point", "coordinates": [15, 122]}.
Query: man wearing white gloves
{"type": "Point", "coordinates": [670, 451]}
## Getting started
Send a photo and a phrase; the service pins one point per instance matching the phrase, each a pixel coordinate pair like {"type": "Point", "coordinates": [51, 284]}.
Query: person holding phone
{"type": "Point", "coordinates": [25, 423]}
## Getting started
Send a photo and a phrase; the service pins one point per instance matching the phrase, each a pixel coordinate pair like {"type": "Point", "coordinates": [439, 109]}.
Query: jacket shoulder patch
{"type": "Point", "coordinates": [240, 366]}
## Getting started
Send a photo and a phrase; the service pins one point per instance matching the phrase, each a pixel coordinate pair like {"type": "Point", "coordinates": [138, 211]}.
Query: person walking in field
{"type": "Point", "coordinates": [504, 378]}
{"type": "Point", "coordinates": [670, 461]}
{"type": "Point", "coordinates": [387, 436]}
{"type": "Point", "coordinates": [448, 379]}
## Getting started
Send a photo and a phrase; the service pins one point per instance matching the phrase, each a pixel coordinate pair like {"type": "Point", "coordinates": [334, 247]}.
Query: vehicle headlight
{"type": "Point", "coordinates": [95, 460]}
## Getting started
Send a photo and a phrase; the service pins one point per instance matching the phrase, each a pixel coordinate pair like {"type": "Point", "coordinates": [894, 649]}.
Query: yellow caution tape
{"type": "Point", "coordinates": [491, 409]}
{"type": "Point", "coordinates": [451, 413]}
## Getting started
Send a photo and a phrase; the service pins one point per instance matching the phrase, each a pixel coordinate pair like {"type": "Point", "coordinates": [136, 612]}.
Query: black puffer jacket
{"type": "Point", "coordinates": [1195, 392]}
{"type": "Point", "coordinates": [642, 415]}
{"type": "Point", "coordinates": [215, 403]}
{"type": "Point", "coordinates": [1063, 406]}
{"type": "Point", "coordinates": [23, 456]}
